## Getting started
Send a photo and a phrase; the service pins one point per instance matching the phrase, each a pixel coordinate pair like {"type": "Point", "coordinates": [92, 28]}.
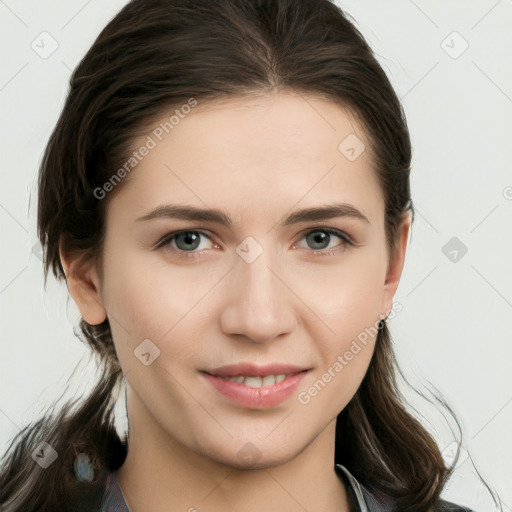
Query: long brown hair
{"type": "Point", "coordinates": [151, 58]}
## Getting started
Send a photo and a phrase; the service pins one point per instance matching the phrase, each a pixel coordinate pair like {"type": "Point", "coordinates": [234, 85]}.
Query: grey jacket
{"type": "Point", "coordinates": [362, 499]}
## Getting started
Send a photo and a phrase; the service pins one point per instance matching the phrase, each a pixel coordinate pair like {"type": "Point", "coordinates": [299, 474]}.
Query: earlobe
{"type": "Point", "coordinates": [395, 267]}
{"type": "Point", "coordinates": [84, 286]}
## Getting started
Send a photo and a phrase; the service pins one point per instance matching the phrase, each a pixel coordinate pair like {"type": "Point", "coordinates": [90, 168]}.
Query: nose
{"type": "Point", "coordinates": [258, 305]}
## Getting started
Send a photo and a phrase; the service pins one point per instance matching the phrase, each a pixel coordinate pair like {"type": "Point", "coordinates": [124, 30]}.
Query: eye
{"type": "Point", "coordinates": [184, 241]}
{"type": "Point", "coordinates": [320, 240]}
{"type": "Point", "coordinates": [189, 243]}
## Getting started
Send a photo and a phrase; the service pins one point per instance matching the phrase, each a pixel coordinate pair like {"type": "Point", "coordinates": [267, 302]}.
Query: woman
{"type": "Point", "coordinates": [226, 194]}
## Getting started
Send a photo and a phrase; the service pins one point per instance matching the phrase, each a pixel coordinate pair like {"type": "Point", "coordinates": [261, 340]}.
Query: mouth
{"type": "Point", "coordinates": [257, 381]}
{"type": "Point", "coordinates": [256, 376]}
{"type": "Point", "coordinates": [256, 387]}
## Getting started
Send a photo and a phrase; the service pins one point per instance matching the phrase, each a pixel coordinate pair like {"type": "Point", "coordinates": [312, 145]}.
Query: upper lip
{"type": "Point", "coordinates": [253, 370]}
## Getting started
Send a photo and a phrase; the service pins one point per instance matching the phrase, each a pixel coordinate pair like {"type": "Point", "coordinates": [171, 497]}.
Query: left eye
{"type": "Point", "coordinates": [189, 242]}
{"type": "Point", "coordinates": [320, 239]}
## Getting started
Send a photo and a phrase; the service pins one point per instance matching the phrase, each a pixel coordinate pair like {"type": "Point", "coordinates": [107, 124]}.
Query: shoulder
{"type": "Point", "coordinates": [447, 506]}
{"type": "Point", "coordinates": [369, 500]}
{"type": "Point", "coordinates": [113, 499]}
{"type": "Point", "coordinates": [382, 503]}
{"type": "Point", "coordinates": [377, 502]}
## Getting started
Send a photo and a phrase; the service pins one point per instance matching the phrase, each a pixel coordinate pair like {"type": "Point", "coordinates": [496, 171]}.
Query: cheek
{"type": "Point", "coordinates": [347, 296]}
{"type": "Point", "coordinates": [348, 299]}
{"type": "Point", "coordinates": [144, 294]}
{"type": "Point", "coordinates": [158, 302]}
{"type": "Point", "coordinates": [345, 349]}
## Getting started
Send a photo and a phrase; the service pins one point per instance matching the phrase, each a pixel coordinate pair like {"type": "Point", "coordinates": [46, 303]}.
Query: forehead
{"type": "Point", "coordinates": [255, 152]}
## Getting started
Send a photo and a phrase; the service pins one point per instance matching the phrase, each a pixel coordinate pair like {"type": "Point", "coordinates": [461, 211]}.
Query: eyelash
{"type": "Point", "coordinates": [346, 241]}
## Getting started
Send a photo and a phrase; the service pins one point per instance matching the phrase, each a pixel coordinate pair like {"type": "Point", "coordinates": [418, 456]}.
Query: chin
{"type": "Point", "coordinates": [245, 455]}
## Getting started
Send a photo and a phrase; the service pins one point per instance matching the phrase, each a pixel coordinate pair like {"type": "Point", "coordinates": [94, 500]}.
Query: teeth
{"type": "Point", "coordinates": [253, 382]}
{"type": "Point", "coordinates": [268, 380]}
{"type": "Point", "coordinates": [258, 382]}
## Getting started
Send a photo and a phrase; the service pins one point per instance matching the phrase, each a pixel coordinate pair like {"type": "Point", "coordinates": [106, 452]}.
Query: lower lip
{"type": "Point", "coordinates": [256, 398]}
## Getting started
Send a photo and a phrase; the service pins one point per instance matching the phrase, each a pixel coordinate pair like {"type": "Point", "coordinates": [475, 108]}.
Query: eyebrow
{"type": "Point", "coordinates": [192, 213]}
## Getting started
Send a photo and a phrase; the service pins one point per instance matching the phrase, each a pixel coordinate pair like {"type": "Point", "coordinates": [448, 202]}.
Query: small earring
{"type": "Point", "coordinates": [382, 322]}
{"type": "Point", "coordinates": [83, 469]}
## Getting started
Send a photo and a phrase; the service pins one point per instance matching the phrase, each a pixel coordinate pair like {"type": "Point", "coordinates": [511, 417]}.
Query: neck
{"type": "Point", "coordinates": [160, 473]}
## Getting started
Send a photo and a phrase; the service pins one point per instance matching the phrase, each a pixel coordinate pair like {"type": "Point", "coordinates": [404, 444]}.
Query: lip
{"type": "Point", "coordinates": [255, 398]}
{"type": "Point", "coordinates": [253, 370]}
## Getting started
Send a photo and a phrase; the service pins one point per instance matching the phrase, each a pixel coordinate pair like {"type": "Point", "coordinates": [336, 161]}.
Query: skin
{"type": "Point", "coordinates": [256, 158]}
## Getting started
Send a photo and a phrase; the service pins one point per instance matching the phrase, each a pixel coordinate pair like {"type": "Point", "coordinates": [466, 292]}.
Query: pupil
{"type": "Point", "coordinates": [319, 237]}
{"type": "Point", "coordinates": [188, 238]}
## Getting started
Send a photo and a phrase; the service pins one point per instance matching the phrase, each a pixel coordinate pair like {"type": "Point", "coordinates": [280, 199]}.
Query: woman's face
{"type": "Point", "coordinates": [265, 281]}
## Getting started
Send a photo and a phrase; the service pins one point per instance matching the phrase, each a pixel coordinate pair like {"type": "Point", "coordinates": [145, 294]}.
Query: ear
{"type": "Point", "coordinates": [84, 285]}
{"type": "Point", "coordinates": [395, 266]}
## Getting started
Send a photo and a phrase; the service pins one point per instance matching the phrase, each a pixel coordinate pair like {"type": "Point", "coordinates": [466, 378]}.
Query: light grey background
{"type": "Point", "coordinates": [454, 331]}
